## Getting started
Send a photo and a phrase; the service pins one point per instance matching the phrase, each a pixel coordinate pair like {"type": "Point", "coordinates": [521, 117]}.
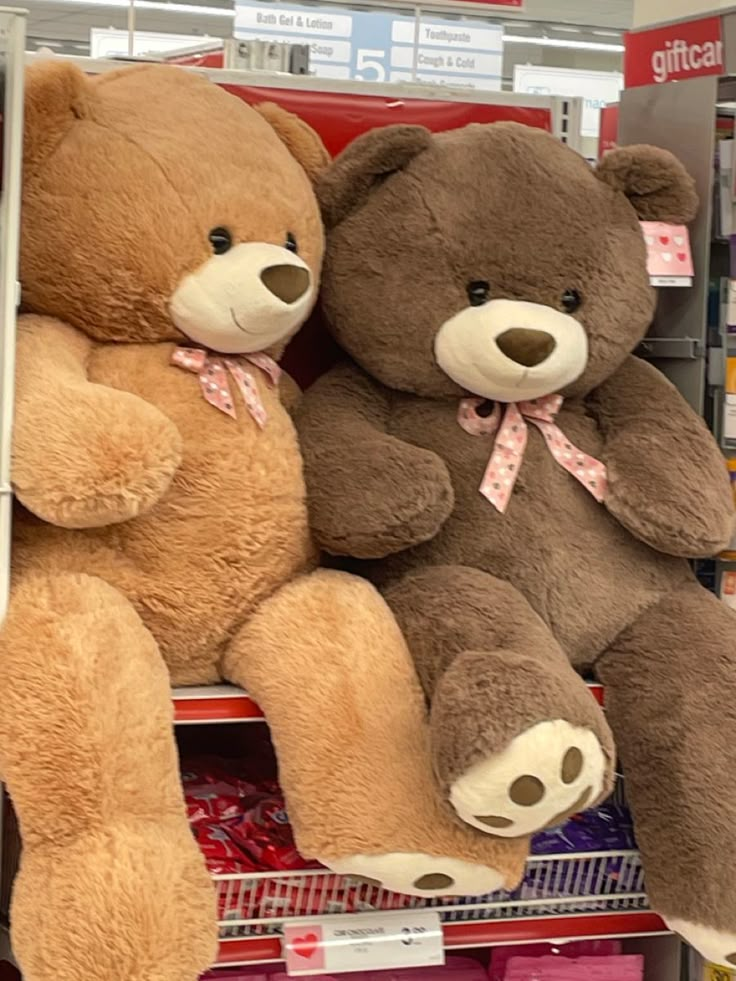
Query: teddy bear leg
{"type": "Point", "coordinates": [518, 742]}
{"type": "Point", "coordinates": [670, 681]}
{"type": "Point", "coordinates": [111, 886]}
{"type": "Point", "coordinates": [326, 662]}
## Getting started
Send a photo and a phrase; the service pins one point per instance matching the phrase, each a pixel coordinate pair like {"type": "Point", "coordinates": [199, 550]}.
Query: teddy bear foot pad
{"type": "Point", "coordinates": [543, 776]}
{"type": "Point", "coordinates": [417, 874]}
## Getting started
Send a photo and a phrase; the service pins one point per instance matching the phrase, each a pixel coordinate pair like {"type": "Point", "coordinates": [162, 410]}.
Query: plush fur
{"type": "Point", "coordinates": [154, 531]}
{"type": "Point", "coordinates": [500, 608]}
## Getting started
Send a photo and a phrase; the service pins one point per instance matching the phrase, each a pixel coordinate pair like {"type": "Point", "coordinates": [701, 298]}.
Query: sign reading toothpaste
{"type": "Point", "coordinates": [667, 54]}
{"type": "Point", "coordinates": [378, 46]}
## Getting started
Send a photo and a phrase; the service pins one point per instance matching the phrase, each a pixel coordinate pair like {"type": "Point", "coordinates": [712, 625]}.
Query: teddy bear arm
{"type": "Point", "coordinates": [667, 481]}
{"type": "Point", "coordinates": [84, 455]}
{"type": "Point", "coordinates": [370, 494]}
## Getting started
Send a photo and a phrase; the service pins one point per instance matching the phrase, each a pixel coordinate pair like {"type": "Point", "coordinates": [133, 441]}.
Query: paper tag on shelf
{"type": "Point", "coordinates": [713, 973]}
{"type": "Point", "coordinates": [669, 259]}
{"type": "Point", "coordinates": [363, 941]}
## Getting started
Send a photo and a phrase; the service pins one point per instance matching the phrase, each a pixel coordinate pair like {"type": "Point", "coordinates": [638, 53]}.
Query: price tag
{"type": "Point", "coordinates": [713, 973]}
{"type": "Point", "coordinates": [363, 941]}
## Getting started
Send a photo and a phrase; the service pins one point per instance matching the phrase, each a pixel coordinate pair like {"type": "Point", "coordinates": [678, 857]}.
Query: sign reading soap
{"type": "Point", "coordinates": [377, 46]}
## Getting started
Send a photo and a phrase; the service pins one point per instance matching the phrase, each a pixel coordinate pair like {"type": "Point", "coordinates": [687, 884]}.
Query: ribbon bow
{"type": "Point", "coordinates": [511, 432]}
{"type": "Point", "coordinates": [215, 384]}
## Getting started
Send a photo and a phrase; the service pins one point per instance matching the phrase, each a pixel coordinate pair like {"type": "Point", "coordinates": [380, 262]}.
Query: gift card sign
{"type": "Point", "coordinates": [669, 259]}
{"type": "Point", "coordinates": [363, 942]}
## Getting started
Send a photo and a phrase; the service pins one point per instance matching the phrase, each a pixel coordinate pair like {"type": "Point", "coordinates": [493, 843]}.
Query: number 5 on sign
{"type": "Point", "coordinates": [370, 60]}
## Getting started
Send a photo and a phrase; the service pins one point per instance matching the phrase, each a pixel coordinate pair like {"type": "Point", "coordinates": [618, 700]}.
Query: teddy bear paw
{"type": "Point", "coordinates": [417, 874]}
{"type": "Point", "coordinates": [715, 946]}
{"type": "Point", "coordinates": [543, 776]}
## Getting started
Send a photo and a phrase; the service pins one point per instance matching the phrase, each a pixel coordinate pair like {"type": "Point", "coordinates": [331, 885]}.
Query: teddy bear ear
{"type": "Point", "coordinates": [300, 139]}
{"type": "Point", "coordinates": [655, 182]}
{"type": "Point", "coordinates": [364, 164]}
{"type": "Point", "coordinates": [56, 95]}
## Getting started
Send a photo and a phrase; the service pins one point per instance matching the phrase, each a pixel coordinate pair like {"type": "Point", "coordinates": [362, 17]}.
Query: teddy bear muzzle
{"type": "Point", "coordinates": [248, 299]}
{"type": "Point", "coordinates": [512, 350]}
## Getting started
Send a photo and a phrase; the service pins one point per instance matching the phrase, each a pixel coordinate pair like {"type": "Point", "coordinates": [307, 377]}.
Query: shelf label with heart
{"type": "Point", "coordinates": [363, 941]}
{"type": "Point", "coordinates": [669, 259]}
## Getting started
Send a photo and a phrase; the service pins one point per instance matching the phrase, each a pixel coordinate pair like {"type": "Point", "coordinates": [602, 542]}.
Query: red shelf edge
{"type": "Point", "coordinates": [479, 934]}
{"type": "Point", "coordinates": [243, 708]}
{"type": "Point", "coordinates": [215, 710]}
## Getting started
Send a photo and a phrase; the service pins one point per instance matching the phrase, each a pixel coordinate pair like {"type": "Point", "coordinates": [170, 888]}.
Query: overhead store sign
{"type": "Point", "coordinates": [508, 4]}
{"type": "Point", "coordinates": [597, 89]}
{"type": "Point", "coordinates": [679, 51]}
{"type": "Point", "coordinates": [378, 46]}
{"type": "Point", "coordinates": [108, 42]}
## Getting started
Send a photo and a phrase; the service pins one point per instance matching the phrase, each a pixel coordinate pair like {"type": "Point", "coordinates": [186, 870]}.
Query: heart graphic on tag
{"type": "Point", "coordinates": [649, 240]}
{"type": "Point", "coordinates": [681, 256]}
{"type": "Point", "coordinates": [305, 946]}
{"type": "Point", "coordinates": [679, 240]}
{"type": "Point", "coordinates": [664, 239]}
{"type": "Point", "coordinates": [667, 256]}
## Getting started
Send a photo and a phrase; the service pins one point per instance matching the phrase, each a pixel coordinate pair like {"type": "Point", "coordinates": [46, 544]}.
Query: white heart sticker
{"type": "Point", "coordinates": [649, 240]}
{"type": "Point", "coordinates": [667, 256]}
{"type": "Point", "coordinates": [679, 240]}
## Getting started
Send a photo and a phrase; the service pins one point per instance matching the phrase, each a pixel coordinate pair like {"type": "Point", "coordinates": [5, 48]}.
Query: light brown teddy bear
{"type": "Point", "coordinates": [171, 244]}
{"type": "Point", "coordinates": [527, 493]}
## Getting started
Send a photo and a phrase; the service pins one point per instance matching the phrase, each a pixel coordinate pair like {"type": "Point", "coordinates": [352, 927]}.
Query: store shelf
{"type": "Point", "coordinates": [553, 929]}
{"type": "Point", "coordinates": [225, 703]}
{"type": "Point", "coordinates": [562, 897]}
{"type": "Point", "coordinates": [218, 703]}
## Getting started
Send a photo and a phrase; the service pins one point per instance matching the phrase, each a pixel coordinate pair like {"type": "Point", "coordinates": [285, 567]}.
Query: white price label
{"type": "Point", "coordinates": [363, 941]}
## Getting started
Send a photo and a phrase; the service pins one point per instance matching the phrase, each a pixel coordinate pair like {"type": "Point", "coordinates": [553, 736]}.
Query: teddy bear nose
{"type": "Point", "coordinates": [288, 283]}
{"type": "Point", "coordinates": [526, 346]}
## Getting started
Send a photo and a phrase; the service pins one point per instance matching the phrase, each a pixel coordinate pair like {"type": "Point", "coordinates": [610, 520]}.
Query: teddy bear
{"type": "Point", "coordinates": [171, 244]}
{"type": "Point", "coordinates": [527, 493]}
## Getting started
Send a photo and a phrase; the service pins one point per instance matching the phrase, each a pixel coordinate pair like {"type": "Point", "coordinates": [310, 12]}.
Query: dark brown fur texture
{"type": "Point", "coordinates": [490, 602]}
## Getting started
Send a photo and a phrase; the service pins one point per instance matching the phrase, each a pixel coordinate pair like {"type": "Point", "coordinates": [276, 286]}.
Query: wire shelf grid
{"type": "Point", "coordinates": [258, 904]}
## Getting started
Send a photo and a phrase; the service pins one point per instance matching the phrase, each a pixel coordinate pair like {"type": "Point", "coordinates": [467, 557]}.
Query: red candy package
{"type": "Point", "coordinates": [263, 832]}
{"type": "Point", "coordinates": [221, 854]}
{"type": "Point", "coordinates": [211, 803]}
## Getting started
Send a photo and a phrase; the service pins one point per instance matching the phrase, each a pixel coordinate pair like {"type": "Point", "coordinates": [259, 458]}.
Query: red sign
{"type": "Point", "coordinates": [678, 51]}
{"type": "Point", "coordinates": [608, 134]}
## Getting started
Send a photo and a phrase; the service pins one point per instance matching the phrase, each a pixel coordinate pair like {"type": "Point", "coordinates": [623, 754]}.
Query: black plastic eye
{"type": "Point", "coordinates": [221, 240]}
{"type": "Point", "coordinates": [571, 300]}
{"type": "Point", "coordinates": [478, 292]}
{"type": "Point", "coordinates": [291, 243]}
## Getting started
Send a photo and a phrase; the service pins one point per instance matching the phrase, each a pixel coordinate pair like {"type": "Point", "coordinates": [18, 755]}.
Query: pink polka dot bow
{"type": "Point", "coordinates": [215, 384]}
{"type": "Point", "coordinates": [511, 432]}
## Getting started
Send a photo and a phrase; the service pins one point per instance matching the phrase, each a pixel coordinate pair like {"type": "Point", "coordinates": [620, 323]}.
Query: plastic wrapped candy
{"type": "Point", "coordinates": [263, 832]}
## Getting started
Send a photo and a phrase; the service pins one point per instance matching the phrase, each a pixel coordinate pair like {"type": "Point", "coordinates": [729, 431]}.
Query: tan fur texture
{"type": "Point", "coordinates": [490, 602]}
{"type": "Point", "coordinates": [153, 530]}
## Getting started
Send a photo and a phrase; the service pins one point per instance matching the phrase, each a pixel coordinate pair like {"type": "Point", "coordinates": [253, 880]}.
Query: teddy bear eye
{"type": "Point", "coordinates": [478, 292]}
{"type": "Point", "coordinates": [571, 300]}
{"type": "Point", "coordinates": [291, 243]}
{"type": "Point", "coordinates": [221, 240]}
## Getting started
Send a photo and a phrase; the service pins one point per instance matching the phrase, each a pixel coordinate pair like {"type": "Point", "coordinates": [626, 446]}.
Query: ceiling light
{"type": "Point", "coordinates": [556, 42]}
{"type": "Point", "coordinates": [199, 10]}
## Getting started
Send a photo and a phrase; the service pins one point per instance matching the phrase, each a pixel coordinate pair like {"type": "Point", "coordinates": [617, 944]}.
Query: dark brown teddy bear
{"type": "Point", "coordinates": [527, 493]}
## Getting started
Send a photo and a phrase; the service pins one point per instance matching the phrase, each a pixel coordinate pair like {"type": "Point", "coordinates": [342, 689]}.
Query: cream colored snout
{"type": "Point", "coordinates": [511, 350]}
{"type": "Point", "coordinates": [245, 300]}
